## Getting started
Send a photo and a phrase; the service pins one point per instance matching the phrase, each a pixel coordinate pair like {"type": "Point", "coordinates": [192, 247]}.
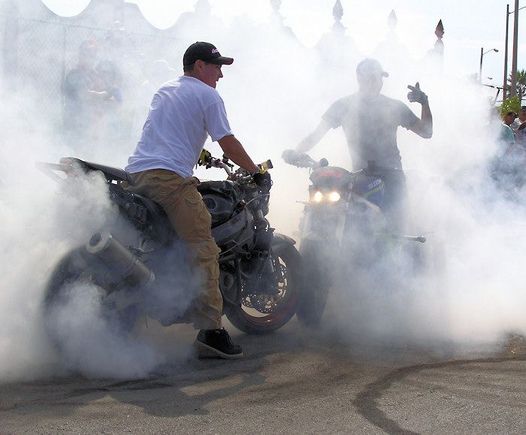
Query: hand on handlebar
{"type": "Point", "coordinates": [291, 156]}
{"type": "Point", "coordinates": [263, 180]}
{"type": "Point", "coordinates": [204, 158]}
{"type": "Point", "coordinates": [302, 160]}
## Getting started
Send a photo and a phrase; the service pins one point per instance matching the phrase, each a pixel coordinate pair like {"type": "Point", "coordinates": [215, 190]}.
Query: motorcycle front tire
{"type": "Point", "coordinates": [252, 322]}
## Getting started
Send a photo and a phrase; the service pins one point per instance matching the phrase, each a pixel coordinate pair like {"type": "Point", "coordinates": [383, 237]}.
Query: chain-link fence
{"type": "Point", "coordinates": [38, 55]}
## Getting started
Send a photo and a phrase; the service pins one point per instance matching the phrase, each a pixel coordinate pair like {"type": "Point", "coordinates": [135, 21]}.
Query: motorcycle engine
{"type": "Point", "coordinates": [221, 198]}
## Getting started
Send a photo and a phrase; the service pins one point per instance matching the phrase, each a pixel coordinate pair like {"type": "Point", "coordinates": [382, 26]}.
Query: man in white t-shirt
{"type": "Point", "coordinates": [183, 113]}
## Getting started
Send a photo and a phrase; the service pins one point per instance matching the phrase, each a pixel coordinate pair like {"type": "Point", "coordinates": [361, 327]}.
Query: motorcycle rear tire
{"type": "Point", "coordinates": [77, 266]}
{"type": "Point", "coordinates": [257, 325]}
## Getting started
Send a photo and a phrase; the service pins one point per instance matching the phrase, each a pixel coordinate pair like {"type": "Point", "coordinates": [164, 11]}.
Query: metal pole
{"type": "Point", "coordinates": [63, 72]}
{"type": "Point", "coordinates": [513, 90]}
{"type": "Point", "coordinates": [505, 83]}
{"type": "Point", "coordinates": [497, 96]}
{"type": "Point", "coordinates": [480, 68]}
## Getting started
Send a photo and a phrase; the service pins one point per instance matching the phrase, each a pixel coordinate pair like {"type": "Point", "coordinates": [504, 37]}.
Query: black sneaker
{"type": "Point", "coordinates": [216, 343]}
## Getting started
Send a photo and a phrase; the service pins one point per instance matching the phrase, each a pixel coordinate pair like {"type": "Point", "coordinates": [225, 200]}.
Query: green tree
{"type": "Point", "coordinates": [512, 104]}
{"type": "Point", "coordinates": [521, 84]}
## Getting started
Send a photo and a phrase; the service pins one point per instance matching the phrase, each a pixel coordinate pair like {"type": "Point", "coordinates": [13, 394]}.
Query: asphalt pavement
{"type": "Point", "coordinates": [292, 381]}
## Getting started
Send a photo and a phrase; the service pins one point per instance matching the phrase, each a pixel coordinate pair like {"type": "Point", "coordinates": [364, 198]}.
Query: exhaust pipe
{"type": "Point", "coordinates": [120, 260]}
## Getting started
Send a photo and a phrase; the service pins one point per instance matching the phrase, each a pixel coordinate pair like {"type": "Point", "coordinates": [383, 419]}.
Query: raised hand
{"type": "Point", "coordinates": [416, 95]}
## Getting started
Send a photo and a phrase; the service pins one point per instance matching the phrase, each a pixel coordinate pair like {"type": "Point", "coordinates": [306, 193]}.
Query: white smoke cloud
{"type": "Point", "coordinates": [275, 93]}
{"type": "Point", "coordinates": [94, 345]}
{"type": "Point", "coordinates": [472, 292]}
{"type": "Point", "coordinates": [41, 222]}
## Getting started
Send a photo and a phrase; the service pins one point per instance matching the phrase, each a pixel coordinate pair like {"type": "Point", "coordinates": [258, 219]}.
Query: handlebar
{"type": "Point", "coordinates": [213, 162]}
{"type": "Point", "coordinates": [241, 175]}
{"type": "Point", "coordinates": [303, 160]}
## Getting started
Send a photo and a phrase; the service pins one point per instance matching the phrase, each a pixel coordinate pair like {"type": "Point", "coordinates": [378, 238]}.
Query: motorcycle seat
{"type": "Point", "coordinates": [156, 216]}
{"type": "Point", "coordinates": [109, 172]}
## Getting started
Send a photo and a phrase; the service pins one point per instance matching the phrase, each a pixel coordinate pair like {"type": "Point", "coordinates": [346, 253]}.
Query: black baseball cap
{"type": "Point", "coordinates": [206, 52]}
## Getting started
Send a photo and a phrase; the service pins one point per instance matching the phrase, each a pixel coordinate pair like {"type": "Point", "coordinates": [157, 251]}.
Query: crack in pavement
{"type": "Point", "coordinates": [366, 401]}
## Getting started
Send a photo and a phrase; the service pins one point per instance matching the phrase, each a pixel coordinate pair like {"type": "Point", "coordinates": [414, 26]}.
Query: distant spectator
{"type": "Point", "coordinates": [507, 168]}
{"type": "Point", "coordinates": [520, 132]}
{"type": "Point", "coordinates": [506, 135]}
{"type": "Point", "coordinates": [76, 87]}
{"type": "Point", "coordinates": [92, 97]}
{"type": "Point", "coordinates": [111, 122]}
{"type": "Point", "coordinates": [109, 81]}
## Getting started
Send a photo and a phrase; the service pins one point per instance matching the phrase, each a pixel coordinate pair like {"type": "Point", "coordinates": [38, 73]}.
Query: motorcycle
{"type": "Point", "coordinates": [343, 227]}
{"type": "Point", "coordinates": [259, 268]}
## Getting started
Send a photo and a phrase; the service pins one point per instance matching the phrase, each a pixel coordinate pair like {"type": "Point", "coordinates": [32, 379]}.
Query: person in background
{"type": "Point", "coordinates": [370, 122]}
{"type": "Point", "coordinates": [506, 134]}
{"type": "Point", "coordinates": [507, 167]}
{"type": "Point", "coordinates": [113, 125]}
{"type": "Point", "coordinates": [80, 90]}
{"type": "Point", "coordinates": [520, 132]}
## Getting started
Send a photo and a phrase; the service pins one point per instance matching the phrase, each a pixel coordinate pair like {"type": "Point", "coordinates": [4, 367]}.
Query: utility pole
{"type": "Point", "coordinates": [513, 90]}
{"type": "Point", "coordinates": [505, 82]}
{"type": "Point", "coordinates": [480, 68]}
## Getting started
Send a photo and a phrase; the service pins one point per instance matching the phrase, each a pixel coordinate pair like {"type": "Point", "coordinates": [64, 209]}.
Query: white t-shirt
{"type": "Point", "coordinates": [182, 114]}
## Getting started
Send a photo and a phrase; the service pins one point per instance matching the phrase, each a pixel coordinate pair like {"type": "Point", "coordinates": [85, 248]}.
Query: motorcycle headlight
{"type": "Point", "coordinates": [334, 196]}
{"type": "Point", "coordinates": [317, 196]}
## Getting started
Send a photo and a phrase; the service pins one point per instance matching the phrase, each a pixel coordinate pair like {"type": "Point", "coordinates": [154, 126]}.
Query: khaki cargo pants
{"type": "Point", "coordinates": [185, 208]}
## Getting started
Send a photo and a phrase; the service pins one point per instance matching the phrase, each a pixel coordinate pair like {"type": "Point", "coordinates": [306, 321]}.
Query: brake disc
{"type": "Point", "coordinates": [266, 301]}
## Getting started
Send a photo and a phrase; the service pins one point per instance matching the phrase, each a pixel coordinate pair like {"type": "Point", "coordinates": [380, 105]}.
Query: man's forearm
{"type": "Point", "coordinates": [312, 139]}
{"type": "Point", "coordinates": [235, 152]}
{"type": "Point", "coordinates": [427, 120]}
{"type": "Point", "coordinates": [308, 143]}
